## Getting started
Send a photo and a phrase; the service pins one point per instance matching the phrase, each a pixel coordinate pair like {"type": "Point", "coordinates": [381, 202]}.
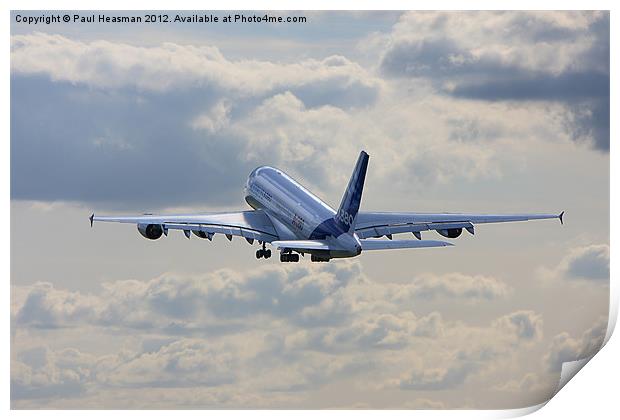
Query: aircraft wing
{"type": "Point", "coordinates": [251, 225]}
{"type": "Point", "coordinates": [376, 244]}
{"type": "Point", "coordinates": [377, 224]}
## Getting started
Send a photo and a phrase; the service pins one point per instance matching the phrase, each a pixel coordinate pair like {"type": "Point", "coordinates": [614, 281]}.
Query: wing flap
{"type": "Point", "coordinates": [377, 244]}
{"type": "Point", "coordinates": [378, 231]}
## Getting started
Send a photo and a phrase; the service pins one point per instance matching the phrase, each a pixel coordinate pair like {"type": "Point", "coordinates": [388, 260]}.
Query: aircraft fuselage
{"type": "Point", "coordinates": [296, 212]}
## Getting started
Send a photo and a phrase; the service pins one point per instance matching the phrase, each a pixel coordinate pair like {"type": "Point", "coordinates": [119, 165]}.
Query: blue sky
{"type": "Point", "coordinates": [481, 112]}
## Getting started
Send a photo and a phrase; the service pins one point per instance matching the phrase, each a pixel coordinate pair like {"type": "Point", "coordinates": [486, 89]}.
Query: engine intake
{"type": "Point", "coordinates": [450, 233]}
{"type": "Point", "coordinates": [151, 231]}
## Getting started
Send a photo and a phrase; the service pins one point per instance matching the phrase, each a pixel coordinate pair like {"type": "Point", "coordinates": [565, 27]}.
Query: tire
{"type": "Point", "coordinates": [267, 253]}
{"type": "Point", "coordinates": [259, 254]}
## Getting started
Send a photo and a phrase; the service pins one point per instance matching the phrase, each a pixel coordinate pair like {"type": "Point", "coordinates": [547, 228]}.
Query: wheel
{"type": "Point", "coordinates": [267, 253]}
{"type": "Point", "coordinates": [259, 254]}
{"type": "Point", "coordinates": [283, 258]}
{"type": "Point", "coordinates": [295, 257]}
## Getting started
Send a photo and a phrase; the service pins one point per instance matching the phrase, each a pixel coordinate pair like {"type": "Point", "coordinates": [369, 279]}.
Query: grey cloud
{"type": "Point", "coordinates": [588, 122]}
{"type": "Point", "coordinates": [525, 57]}
{"type": "Point", "coordinates": [95, 129]}
{"type": "Point", "coordinates": [171, 303]}
{"type": "Point", "coordinates": [589, 263]}
{"type": "Point", "coordinates": [182, 363]}
{"type": "Point", "coordinates": [525, 325]}
{"type": "Point", "coordinates": [39, 373]}
{"type": "Point", "coordinates": [47, 308]}
{"type": "Point", "coordinates": [565, 348]}
{"type": "Point", "coordinates": [586, 96]}
{"type": "Point", "coordinates": [117, 149]}
{"type": "Point", "coordinates": [463, 365]}
{"type": "Point", "coordinates": [382, 331]}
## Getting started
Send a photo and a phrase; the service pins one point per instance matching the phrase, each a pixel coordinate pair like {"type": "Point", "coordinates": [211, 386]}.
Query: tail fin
{"type": "Point", "coordinates": [353, 195]}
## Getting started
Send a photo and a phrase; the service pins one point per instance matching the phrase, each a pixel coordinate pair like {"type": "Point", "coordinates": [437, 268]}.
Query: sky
{"type": "Point", "coordinates": [485, 112]}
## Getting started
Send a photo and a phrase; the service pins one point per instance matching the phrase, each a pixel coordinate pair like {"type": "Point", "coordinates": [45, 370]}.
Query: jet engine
{"type": "Point", "coordinates": [450, 233]}
{"type": "Point", "coordinates": [151, 231]}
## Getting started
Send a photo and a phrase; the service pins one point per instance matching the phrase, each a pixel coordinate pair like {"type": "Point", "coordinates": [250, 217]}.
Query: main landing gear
{"type": "Point", "coordinates": [289, 257]}
{"type": "Point", "coordinates": [263, 252]}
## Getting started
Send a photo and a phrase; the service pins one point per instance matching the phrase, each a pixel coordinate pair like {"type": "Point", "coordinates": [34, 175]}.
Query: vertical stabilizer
{"type": "Point", "coordinates": [350, 204]}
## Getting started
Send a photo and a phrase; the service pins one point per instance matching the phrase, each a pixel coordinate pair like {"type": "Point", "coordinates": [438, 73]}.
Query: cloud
{"type": "Point", "coordinates": [39, 373]}
{"type": "Point", "coordinates": [184, 363]}
{"type": "Point", "coordinates": [424, 404]}
{"type": "Point", "coordinates": [369, 331]}
{"type": "Point", "coordinates": [531, 382]}
{"type": "Point", "coordinates": [460, 43]}
{"type": "Point", "coordinates": [512, 56]}
{"type": "Point", "coordinates": [565, 348]}
{"type": "Point", "coordinates": [587, 264]}
{"type": "Point", "coordinates": [457, 371]}
{"type": "Point", "coordinates": [455, 286]}
{"type": "Point", "coordinates": [526, 325]}
{"type": "Point", "coordinates": [104, 64]}
{"type": "Point", "coordinates": [159, 116]}
{"type": "Point", "coordinates": [47, 307]}
{"type": "Point", "coordinates": [283, 328]}
{"type": "Point", "coordinates": [304, 294]}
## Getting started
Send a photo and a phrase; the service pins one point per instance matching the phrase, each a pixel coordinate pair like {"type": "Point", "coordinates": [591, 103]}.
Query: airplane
{"type": "Point", "coordinates": [296, 222]}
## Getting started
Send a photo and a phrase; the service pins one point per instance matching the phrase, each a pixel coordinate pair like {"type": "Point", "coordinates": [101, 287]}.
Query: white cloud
{"type": "Point", "coordinates": [115, 65]}
{"type": "Point", "coordinates": [453, 285]}
{"type": "Point", "coordinates": [217, 118]}
{"type": "Point", "coordinates": [276, 329]}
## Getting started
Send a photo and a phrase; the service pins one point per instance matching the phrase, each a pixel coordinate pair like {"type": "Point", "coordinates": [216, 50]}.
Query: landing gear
{"type": "Point", "coordinates": [263, 253]}
{"type": "Point", "coordinates": [316, 258]}
{"type": "Point", "coordinates": [289, 257]}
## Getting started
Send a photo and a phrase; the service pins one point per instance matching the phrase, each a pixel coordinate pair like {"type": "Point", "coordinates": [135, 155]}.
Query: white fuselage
{"type": "Point", "coordinates": [297, 213]}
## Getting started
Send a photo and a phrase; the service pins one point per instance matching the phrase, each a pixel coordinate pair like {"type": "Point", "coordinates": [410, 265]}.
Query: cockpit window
{"type": "Point", "coordinates": [254, 173]}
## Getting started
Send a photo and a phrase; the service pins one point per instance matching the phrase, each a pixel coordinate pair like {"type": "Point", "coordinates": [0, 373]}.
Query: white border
{"type": "Point", "coordinates": [594, 392]}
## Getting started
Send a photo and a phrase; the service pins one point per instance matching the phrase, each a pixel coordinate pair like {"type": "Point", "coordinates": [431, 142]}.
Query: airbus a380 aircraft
{"type": "Point", "coordinates": [296, 222]}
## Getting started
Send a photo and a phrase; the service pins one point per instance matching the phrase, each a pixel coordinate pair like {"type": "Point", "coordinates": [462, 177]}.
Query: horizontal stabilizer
{"type": "Point", "coordinates": [374, 244]}
{"type": "Point", "coordinates": [302, 245]}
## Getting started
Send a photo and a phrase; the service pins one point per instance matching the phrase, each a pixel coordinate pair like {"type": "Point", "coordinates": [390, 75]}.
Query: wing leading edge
{"type": "Point", "coordinates": [377, 224]}
{"type": "Point", "coordinates": [254, 224]}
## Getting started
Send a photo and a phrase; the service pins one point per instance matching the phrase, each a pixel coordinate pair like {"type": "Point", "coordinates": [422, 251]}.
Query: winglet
{"type": "Point", "coordinates": [91, 218]}
{"type": "Point", "coordinates": [561, 217]}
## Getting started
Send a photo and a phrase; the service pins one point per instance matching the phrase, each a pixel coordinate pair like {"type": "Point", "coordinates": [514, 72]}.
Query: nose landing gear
{"type": "Point", "coordinates": [263, 252]}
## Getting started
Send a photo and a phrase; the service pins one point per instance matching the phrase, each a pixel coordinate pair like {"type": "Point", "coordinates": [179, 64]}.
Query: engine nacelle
{"type": "Point", "coordinates": [150, 231]}
{"type": "Point", "coordinates": [450, 233]}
